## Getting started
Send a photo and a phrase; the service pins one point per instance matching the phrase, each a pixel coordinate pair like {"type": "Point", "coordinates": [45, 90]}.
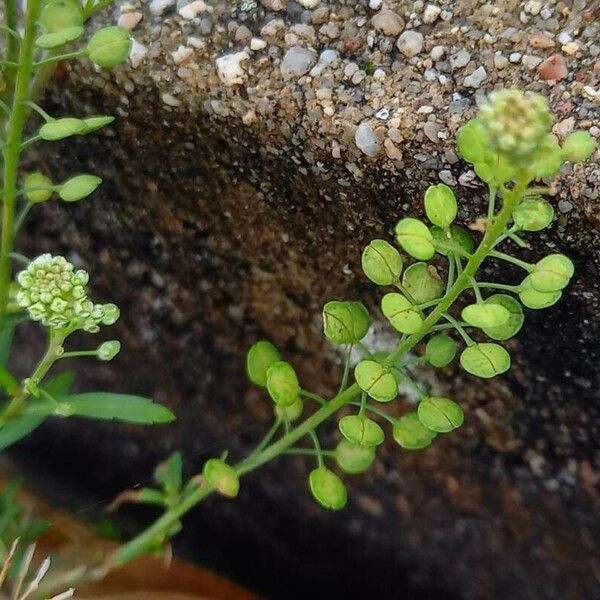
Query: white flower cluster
{"type": "Point", "coordinates": [517, 123]}
{"type": "Point", "coordinates": [55, 294]}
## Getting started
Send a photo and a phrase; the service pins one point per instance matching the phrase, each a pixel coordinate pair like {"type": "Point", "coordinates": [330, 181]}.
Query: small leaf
{"type": "Point", "coordinates": [552, 273]}
{"type": "Point", "coordinates": [376, 380]}
{"type": "Point", "coordinates": [485, 314]}
{"type": "Point", "coordinates": [121, 407]}
{"type": "Point", "coordinates": [282, 383]}
{"type": "Point", "coordinates": [440, 205]}
{"type": "Point", "coordinates": [533, 214]}
{"type": "Point", "coordinates": [59, 129]}
{"type": "Point", "coordinates": [110, 46]}
{"type": "Point", "coordinates": [399, 311]}
{"type": "Point", "coordinates": [169, 473]}
{"type": "Point", "coordinates": [327, 489]}
{"type": "Point", "coordinates": [472, 141]}
{"type": "Point", "coordinates": [440, 414]}
{"type": "Point", "coordinates": [531, 298]}
{"type": "Point", "coordinates": [353, 458]}
{"type": "Point", "coordinates": [259, 358]}
{"type": "Point", "coordinates": [19, 427]}
{"type": "Point", "coordinates": [485, 360]}
{"type": "Point", "coordinates": [78, 187]}
{"type": "Point", "coordinates": [515, 320]}
{"type": "Point", "coordinates": [7, 330]}
{"type": "Point", "coordinates": [422, 282]}
{"type": "Point", "coordinates": [361, 430]}
{"type": "Point", "coordinates": [416, 239]}
{"type": "Point", "coordinates": [456, 239]}
{"type": "Point", "coordinates": [411, 434]}
{"type": "Point", "coordinates": [440, 350]}
{"type": "Point", "coordinates": [60, 385]}
{"type": "Point", "coordinates": [381, 262]}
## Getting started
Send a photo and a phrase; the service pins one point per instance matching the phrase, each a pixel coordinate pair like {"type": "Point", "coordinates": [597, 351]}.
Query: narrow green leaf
{"type": "Point", "coordinates": [19, 427]}
{"type": "Point", "coordinates": [6, 337]}
{"type": "Point", "coordinates": [60, 385]}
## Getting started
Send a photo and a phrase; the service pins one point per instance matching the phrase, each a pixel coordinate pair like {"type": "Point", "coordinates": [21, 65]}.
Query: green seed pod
{"type": "Point", "coordinates": [59, 129]}
{"type": "Point", "coordinates": [415, 238]}
{"type": "Point", "coordinates": [376, 380]}
{"type": "Point", "coordinates": [327, 489]}
{"type": "Point", "coordinates": [579, 146]}
{"type": "Point", "coordinates": [533, 214]}
{"type": "Point", "coordinates": [222, 477]}
{"type": "Point", "coordinates": [485, 314]}
{"type": "Point", "coordinates": [440, 350]}
{"type": "Point", "coordinates": [282, 383]}
{"type": "Point", "coordinates": [43, 184]}
{"type": "Point", "coordinates": [353, 458]}
{"type": "Point", "coordinates": [108, 350]}
{"type": "Point", "coordinates": [109, 47]}
{"type": "Point", "coordinates": [440, 414]}
{"type": "Point", "coordinates": [456, 239]}
{"type": "Point", "coordinates": [290, 413]}
{"type": "Point", "coordinates": [345, 322]}
{"type": "Point", "coordinates": [411, 434]}
{"type": "Point", "coordinates": [440, 205]}
{"type": "Point", "coordinates": [49, 41]}
{"type": "Point", "coordinates": [515, 319]}
{"type": "Point", "coordinates": [472, 141]}
{"type": "Point", "coordinates": [258, 360]}
{"type": "Point", "coordinates": [485, 360]}
{"type": "Point", "coordinates": [95, 123]}
{"type": "Point", "coordinates": [399, 311]}
{"type": "Point", "coordinates": [361, 430]}
{"type": "Point", "coordinates": [63, 23]}
{"type": "Point", "coordinates": [381, 262]}
{"type": "Point", "coordinates": [422, 282]}
{"type": "Point", "coordinates": [78, 187]}
{"type": "Point", "coordinates": [552, 273]}
{"type": "Point", "coordinates": [531, 298]}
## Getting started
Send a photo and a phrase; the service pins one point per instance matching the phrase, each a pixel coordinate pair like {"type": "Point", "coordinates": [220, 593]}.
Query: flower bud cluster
{"type": "Point", "coordinates": [56, 294]}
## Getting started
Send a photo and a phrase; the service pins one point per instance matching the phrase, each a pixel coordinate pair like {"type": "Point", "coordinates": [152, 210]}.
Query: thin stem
{"type": "Point", "coordinates": [58, 57]}
{"type": "Point", "coordinates": [22, 216]}
{"type": "Point", "coordinates": [268, 436]}
{"type": "Point", "coordinates": [30, 142]}
{"type": "Point", "coordinates": [446, 326]}
{"type": "Point", "coordinates": [465, 336]}
{"type": "Point", "coordinates": [313, 396]}
{"type": "Point", "coordinates": [346, 373]}
{"type": "Point", "coordinates": [39, 110]}
{"type": "Point", "coordinates": [364, 349]}
{"type": "Point", "coordinates": [413, 384]}
{"type": "Point", "coordinates": [451, 272]}
{"type": "Point", "coordinates": [458, 263]}
{"type": "Point", "coordinates": [376, 411]}
{"type": "Point", "coordinates": [13, 42]}
{"type": "Point", "coordinates": [475, 287]}
{"type": "Point", "coordinates": [491, 204]}
{"type": "Point", "coordinates": [511, 259]}
{"type": "Point", "coordinates": [497, 286]}
{"type": "Point", "coordinates": [363, 403]}
{"type": "Point", "coordinates": [79, 353]}
{"type": "Point", "coordinates": [315, 440]}
{"type": "Point", "coordinates": [309, 452]}
{"type": "Point", "coordinates": [429, 304]}
{"type": "Point", "coordinates": [20, 258]}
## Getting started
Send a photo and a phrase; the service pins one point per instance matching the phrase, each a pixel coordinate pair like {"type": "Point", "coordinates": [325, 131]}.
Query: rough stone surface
{"type": "Point", "coordinates": [232, 213]}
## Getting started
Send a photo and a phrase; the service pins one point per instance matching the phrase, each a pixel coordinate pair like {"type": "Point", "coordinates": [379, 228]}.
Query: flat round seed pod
{"type": "Point", "coordinates": [290, 413]}
{"type": "Point", "coordinates": [472, 141]}
{"type": "Point", "coordinates": [222, 476]}
{"type": "Point", "coordinates": [345, 322]}
{"type": "Point", "coordinates": [259, 358]}
{"type": "Point", "coordinates": [327, 489]}
{"type": "Point", "coordinates": [401, 313]}
{"type": "Point", "coordinates": [376, 380]}
{"type": "Point", "coordinates": [110, 46]}
{"type": "Point", "coordinates": [552, 273]}
{"type": "Point", "coordinates": [578, 146]}
{"type": "Point", "coordinates": [416, 239]}
{"type": "Point", "coordinates": [353, 458]}
{"type": "Point", "coordinates": [42, 183]}
{"type": "Point", "coordinates": [485, 314]}
{"type": "Point", "coordinates": [533, 214]}
{"type": "Point", "coordinates": [515, 320]}
{"type": "Point", "coordinates": [440, 205]}
{"type": "Point", "coordinates": [531, 298]}
{"type": "Point", "coordinates": [361, 430]}
{"type": "Point", "coordinates": [282, 383]}
{"type": "Point", "coordinates": [411, 434]}
{"type": "Point", "coordinates": [485, 360]}
{"type": "Point", "coordinates": [440, 350]}
{"type": "Point", "coordinates": [440, 414]}
{"type": "Point", "coordinates": [381, 262]}
{"type": "Point", "coordinates": [456, 239]}
{"type": "Point", "coordinates": [60, 14]}
{"type": "Point", "coordinates": [56, 39]}
{"type": "Point", "coordinates": [422, 282]}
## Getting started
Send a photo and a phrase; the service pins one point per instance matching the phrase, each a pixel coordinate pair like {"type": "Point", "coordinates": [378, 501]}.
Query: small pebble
{"type": "Point", "coordinates": [230, 69]}
{"type": "Point", "coordinates": [130, 20]}
{"type": "Point", "coordinates": [515, 57]}
{"type": "Point", "coordinates": [460, 59]}
{"type": "Point", "coordinates": [297, 61]}
{"type": "Point", "coordinates": [366, 141]}
{"type": "Point", "coordinates": [257, 44]}
{"type": "Point", "coordinates": [410, 43]}
{"type": "Point", "coordinates": [158, 7]}
{"type": "Point", "coordinates": [193, 9]}
{"type": "Point", "coordinates": [375, 4]}
{"type": "Point", "coordinates": [500, 62]}
{"type": "Point", "coordinates": [388, 22]}
{"type": "Point", "coordinates": [182, 55]}
{"type": "Point", "coordinates": [531, 62]}
{"type": "Point", "coordinates": [437, 52]}
{"type": "Point", "coordinates": [432, 12]}
{"type": "Point", "coordinates": [476, 78]}
{"type": "Point", "coordinates": [309, 4]}
{"type": "Point", "coordinates": [553, 68]}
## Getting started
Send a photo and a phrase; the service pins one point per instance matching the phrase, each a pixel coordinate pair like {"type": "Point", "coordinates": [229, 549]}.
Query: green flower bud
{"type": "Point", "coordinates": [353, 458]}
{"type": "Point", "coordinates": [222, 477]}
{"type": "Point", "coordinates": [552, 273]}
{"type": "Point", "coordinates": [422, 282]}
{"type": "Point", "coordinates": [345, 322]}
{"type": "Point", "coordinates": [416, 239]}
{"type": "Point", "coordinates": [78, 187]}
{"type": "Point", "coordinates": [399, 311]}
{"type": "Point", "coordinates": [258, 360]}
{"type": "Point", "coordinates": [440, 205]}
{"type": "Point", "coordinates": [485, 314]}
{"type": "Point", "coordinates": [282, 383]}
{"type": "Point", "coordinates": [59, 129]}
{"type": "Point", "coordinates": [456, 239]}
{"type": "Point", "coordinates": [411, 434]}
{"type": "Point", "coordinates": [485, 360]}
{"type": "Point", "coordinates": [109, 314]}
{"type": "Point", "coordinates": [533, 214]}
{"type": "Point", "coordinates": [290, 413]}
{"type": "Point", "coordinates": [109, 47]}
{"type": "Point", "coordinates": [472, 141]}
{"type": "Point", "coordinates": [515, 319]}
{"type": "Point", "coordinates": [328, 489]}
{"type": "Point", "coordinates": [361, 430]}
{"type": "Point", "coordinates": [531, 298]}
{"type": "Point", "coordinates": [38, 187]}
{"type": "Point", "coordinates": [108, 350]}
{"type": "Point", "coordinates": [440, 414]}
{"type": "Point", "coordinates": [381, 262]}
{"type": "Point", "coordinates": [440, 350]}
{"type": "Point", "coordinates": [579, 146]}
{"type": "Point", "coordinates": [376, 380]}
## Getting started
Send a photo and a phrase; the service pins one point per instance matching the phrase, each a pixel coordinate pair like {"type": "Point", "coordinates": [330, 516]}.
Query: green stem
{"type": "Point", "coordinates": [12, 150]}
{"type": "Point", "coordinates": [12, 45]}
{"type": "Point", "coordinates": [511, 259]}
{"type": "Point", "coordinates": [346, 373]}
{"type": "Point", "coordinates": [465, 336]}
{"type": "Point", "coordinates": [308, 452]}
{"type": "Point", "coordinates": [497, 286]}
{"type": "Point", "coordinates": [315, 440]}
{"type": "Point", "coordinates": [313, 396]}
{"type": "Point", "coordinates": [376, 411]}
{"type": "Point", "coordinates": [58, 57]}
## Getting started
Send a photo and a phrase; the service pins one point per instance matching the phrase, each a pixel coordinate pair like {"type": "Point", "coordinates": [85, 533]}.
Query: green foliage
{"type": "Point", "coordinates": [485, 360]}
{"type": "Point", "coordinates": [354, 458]}
{"type": "Point", "coordinates": [422, 282]}
{"type": "Point", "coordinates": [222, 477]}
{"type": "Point", "coordinates": [440, 350]}
{"type": "Point", "coordinates": [410, 433]}
{"type": "Point", "coordinates": [376, 380]}
{"type": "Point", "coordinates": [401, 313]}
{"type": "Point", "coordinates": [440, 414]}
{"type": "Point", "coordinates": [258, 360]}
{"type": "Point", "coordinates": [78, 187]}
{"type": "Point", "coordinates": [109, 47]}
{"type": "Point", "coordinates": [282, 383]}
{"type": "Point", "coordinates": [381, 262]}
{"type": "Point", "coordinates": [415, 238]}
{"type": "Point", "coordinates": [345, 322]}
{"type": "Point", "coordinates": [328, 489]}
{"type": "Point", "coordinates": [440, 205]}
{"type": "Point", "coordinates": [361, 430]}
